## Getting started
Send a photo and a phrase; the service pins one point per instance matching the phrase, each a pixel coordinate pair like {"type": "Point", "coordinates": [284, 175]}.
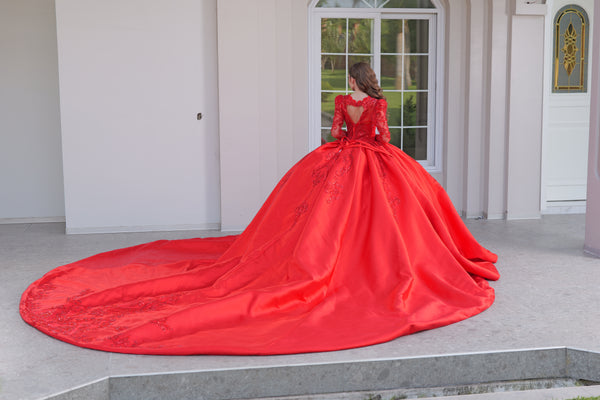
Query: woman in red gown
{"type": "Point", "coordinates": [356, 245]}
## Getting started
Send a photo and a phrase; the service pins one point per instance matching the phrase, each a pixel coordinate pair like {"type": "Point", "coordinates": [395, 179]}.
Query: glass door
{"type": "Point", "coordinates": [404, 73]}
{"type": "Point", "coordinates": [344, 41]}
{"type": "Point", "coordinates": [401, 49]}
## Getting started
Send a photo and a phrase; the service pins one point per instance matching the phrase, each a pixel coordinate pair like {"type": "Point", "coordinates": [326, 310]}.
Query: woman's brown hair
{"type": "Point", "coordinates": [366, 79]}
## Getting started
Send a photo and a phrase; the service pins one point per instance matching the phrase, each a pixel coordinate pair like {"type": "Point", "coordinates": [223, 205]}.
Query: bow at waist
{"type": "Point", "coordinates": [373, 145]}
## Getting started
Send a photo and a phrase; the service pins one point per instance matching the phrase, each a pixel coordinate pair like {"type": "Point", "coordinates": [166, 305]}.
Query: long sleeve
{"type": "Point", "coordinates": [338, 119]}
{"type": "Point", "coordinates": [381, 121]}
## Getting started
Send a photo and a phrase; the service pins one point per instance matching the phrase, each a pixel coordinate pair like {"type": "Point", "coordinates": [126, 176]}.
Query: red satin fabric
{"type": "Point", "coordinates": [356, 245]}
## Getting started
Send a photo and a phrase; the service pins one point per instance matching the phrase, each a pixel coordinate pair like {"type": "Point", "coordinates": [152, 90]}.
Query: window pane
{"type": "Point", "coordinates": [327, 108]}
{"type": "Point", "coordinates": [402, 58]}
{"type": "Point", "coordinates": [404, 36]}
{"type": "Point", "coordinates": [571, 31]}
{"type": "Point", "coordinates": [391, 72]}
{"type": "Point", "coordinates": [333, 35]}
{"type": "Point", "coordinates": [415, 143]}
{"type": "Point", "coordinates": [394, 114]}
{"type": "Point", "coordinates": [416, 32]}
{"type": "Point", "coordinates": [406, 4]}
{"type": "Point", "coordinates": [361, 36]}
{"type": "Point", "coordinates": [415, 109]}
{"type": "Point", "coordinates": [333, 72]}
{"type": "Point", "coordinates": [343, 4]}
{"type": "Point", "coordinates": [396, 137]}
{"type": "Point", "coordinates": [413, 75]}
{"type": "Point", "coordinates": [391, 35]}
{"type": "Point", "coordinates": [326, 136]}
{"type": "Point", "coordinates": [355, 59]}
{"type": "Point", "coordinates": [416, 72]}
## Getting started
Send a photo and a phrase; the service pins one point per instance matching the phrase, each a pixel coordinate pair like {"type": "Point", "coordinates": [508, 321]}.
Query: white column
{"type": "Point", "coordinates": [238, 111]}
{"type": "Point", "coordinates": [494, 198]}
{"type": "Point", "coordinates": [263, 96]}
{"type": "Point", "coordinates": [455, 100]}
{"type": "Point", "coordinates": [477, 115]}
{"type": "Point", "coordinates": [592, 218]}
{"type": "Point", "coordinates": [525, 110]}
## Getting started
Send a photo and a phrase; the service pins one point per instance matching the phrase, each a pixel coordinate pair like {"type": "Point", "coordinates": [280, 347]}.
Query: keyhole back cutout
{"type": "Point", "coordinates": [355, 112]}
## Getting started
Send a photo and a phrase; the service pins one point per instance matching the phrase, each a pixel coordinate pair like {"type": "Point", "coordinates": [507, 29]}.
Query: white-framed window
{"type": "Point", "coordinates": [401, 39]}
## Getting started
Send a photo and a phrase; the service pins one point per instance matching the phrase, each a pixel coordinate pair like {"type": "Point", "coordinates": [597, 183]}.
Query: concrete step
{"type": "Point", "coordinates": [546, 389]}
{"type": "Point", "coordinates": [507, 372]}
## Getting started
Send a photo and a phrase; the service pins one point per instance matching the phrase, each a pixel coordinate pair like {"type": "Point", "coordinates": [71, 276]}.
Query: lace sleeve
{"type": "Point", "coordinates": [338, 119]}
{"type": "Point", "coordinates": [381, 121]}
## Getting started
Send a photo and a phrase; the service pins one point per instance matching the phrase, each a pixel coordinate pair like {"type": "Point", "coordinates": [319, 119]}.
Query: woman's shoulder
{"type": "Point", "coordinates": [382, 102]}
{"type": "Point", "coordinates": [340, 98]}
{"type": "Point", "coordinates": [347, 98]}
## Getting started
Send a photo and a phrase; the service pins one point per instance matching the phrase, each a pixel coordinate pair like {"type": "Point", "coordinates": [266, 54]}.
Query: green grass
{"type": "Point", "coordinates": [378, 397]}
{"type": "Point", "coordinates": [335, 80]}
{"type": "Point", "coordinates": [586, 398]}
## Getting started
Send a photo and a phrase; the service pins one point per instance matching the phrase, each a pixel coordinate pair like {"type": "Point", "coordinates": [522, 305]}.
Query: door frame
{"type": "Point", "coordinates": [560, 207]}
{"type": "Point", "coordinates": [436, 78]}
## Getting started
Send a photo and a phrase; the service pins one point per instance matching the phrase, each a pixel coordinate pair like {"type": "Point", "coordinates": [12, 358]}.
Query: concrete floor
{"type": "Point", "coordinates": [548, 297]}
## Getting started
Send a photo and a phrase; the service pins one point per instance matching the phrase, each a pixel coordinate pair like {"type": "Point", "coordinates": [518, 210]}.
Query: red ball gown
{"type": "Point", "coordinates": [356, 245]}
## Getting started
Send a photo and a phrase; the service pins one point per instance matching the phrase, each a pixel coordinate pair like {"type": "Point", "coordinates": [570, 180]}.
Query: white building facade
{"type": "Point", "coordinates": [131, 115]}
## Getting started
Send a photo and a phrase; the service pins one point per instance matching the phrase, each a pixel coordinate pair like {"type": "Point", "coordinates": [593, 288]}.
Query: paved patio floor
{"type": "Point", "coordinates": [548, 297]}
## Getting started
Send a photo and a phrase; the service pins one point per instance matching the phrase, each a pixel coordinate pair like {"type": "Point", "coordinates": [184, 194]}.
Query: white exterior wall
{"type": "Point", "coordinates": [263, 90]}
{"type": "Point", "coordinates": [133, 76]}
{"type": "Point", "coordinates": [31, 180]}
{"type": "Point", "coordinates": [492, 102]}
{"type": "Point", "coordinates": [135, 73]}
{"type": "Point", "coordinates": [482, 113]}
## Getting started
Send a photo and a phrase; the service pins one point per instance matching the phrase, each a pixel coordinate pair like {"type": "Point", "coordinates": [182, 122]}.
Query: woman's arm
{"type": "Point", "coordinates": [381, 121]}
{"type": "Point", "coordinates": [338, 119]}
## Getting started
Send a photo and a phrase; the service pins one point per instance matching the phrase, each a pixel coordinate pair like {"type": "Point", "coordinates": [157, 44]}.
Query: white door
{"type": "Point", "coordinates": [133, 77]}
{"type": "Point", "coordinates": [567, 106]}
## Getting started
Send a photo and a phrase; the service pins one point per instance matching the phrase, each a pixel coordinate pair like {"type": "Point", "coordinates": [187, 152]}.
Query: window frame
{"type": "Point", "coordinates": [433, 163]}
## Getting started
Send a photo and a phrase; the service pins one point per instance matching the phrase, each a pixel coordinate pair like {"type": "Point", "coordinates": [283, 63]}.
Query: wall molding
{"type": "Point", "coordinates": [31, 220]}
{"type": "Point", "coordinates": [143, 228]}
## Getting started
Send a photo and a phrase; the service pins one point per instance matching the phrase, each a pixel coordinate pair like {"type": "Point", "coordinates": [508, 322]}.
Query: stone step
{"type": "Point", "coordinates": [421, 376]}
{"type": "Point", "coordinates": [547, 389]}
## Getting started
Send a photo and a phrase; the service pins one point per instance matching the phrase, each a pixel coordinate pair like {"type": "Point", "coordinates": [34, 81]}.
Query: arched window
{"type": "Point", "coordinates": [375, 4]}
{"type": "Point", "coordinates": [571, 38]}
{"type": "Point", "coordinates": [399, 38]}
